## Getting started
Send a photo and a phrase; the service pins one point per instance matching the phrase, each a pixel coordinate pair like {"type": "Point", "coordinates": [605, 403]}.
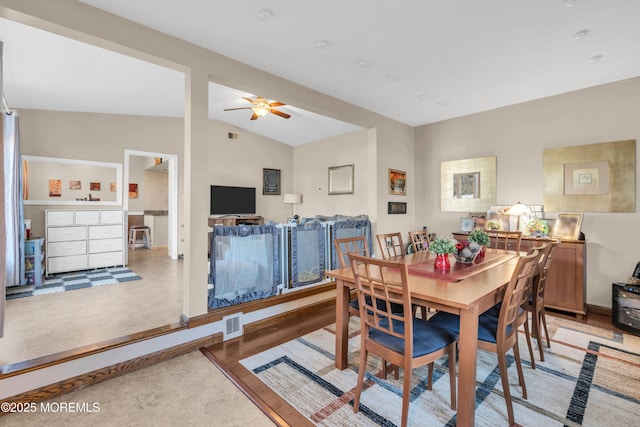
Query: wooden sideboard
{"type": "Point", "coordinates": [566, 281]}
{"type": "Point", "coordinates": [236, 220]}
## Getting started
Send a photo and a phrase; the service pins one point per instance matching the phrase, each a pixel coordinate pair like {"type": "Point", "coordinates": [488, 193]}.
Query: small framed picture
{"type": "Point", "coordinates": [567, 226]}
{"type": "Point", "coordinates": [94, 186]}
{"type": "Point", "coordinates": [397, 208]}
{"type": "Point", "coordinates": [397, 182]}
{"type": "Point", "coordinates": [466, 224]}
{"type": "Point", "coordinates": [271, 182]}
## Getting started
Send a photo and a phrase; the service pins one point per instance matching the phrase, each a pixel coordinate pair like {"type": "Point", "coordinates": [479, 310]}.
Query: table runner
{"type": "Point", "coordinates": [459, 270]}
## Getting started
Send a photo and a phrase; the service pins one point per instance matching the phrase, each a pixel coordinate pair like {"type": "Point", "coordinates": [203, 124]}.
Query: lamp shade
{"type": "Point", "coordinates": [293, 198]}
{"type": "Point", "coordinates": [519, 209]}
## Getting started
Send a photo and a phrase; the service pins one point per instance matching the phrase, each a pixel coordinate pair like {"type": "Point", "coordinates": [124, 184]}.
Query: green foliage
{"type": "Point", "coordinates": [480, 237]}
{"type": "Point", "coordinates": [443, 246]}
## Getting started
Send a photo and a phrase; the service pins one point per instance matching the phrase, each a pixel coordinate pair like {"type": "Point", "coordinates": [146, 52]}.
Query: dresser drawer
{"type": "Point", "coordinates": [60, 218]}
{"type": "Point", "coordinates": [76, 247]}
{"type": "Point", "coordinates": [65, 234]}
{"type": "Point", "coordinates": [105, 231]}
{"type": "Point", "coordinates": [105, 245]}
{"type": "Point", "coordinates": [67, 263]}
{"type": "Point", "coordinates": [87, 217]}
{"type": "Point", "coordinates": [111, 217]}
{"type": "Point", "coordinates": [105, 259]}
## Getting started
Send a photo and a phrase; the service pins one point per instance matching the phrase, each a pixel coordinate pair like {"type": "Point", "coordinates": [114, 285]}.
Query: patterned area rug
{"type": "Point", "coordinates": [590, 377]}
{"type": "Point", "coordinates": [77, 280]}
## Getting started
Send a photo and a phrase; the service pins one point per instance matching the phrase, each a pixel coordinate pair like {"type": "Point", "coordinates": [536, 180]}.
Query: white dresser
{"type": "Point", "coordinates": [83, 239]}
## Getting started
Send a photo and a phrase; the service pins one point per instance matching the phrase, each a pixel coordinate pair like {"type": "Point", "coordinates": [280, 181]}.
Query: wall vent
{"type": "Point", "coordinates": [232, 135]}
{"type": "Point", "coordinates": [232, 325]}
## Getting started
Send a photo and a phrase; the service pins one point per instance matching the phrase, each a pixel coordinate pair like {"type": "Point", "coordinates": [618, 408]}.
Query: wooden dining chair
{"type": "Point", "coordinates": [505, 240]}
{"type": "Point", "coordinates": [500, 334]}
{"type": "Point", "coordinates": [536, 303]}
{"type": "Point", "coordinates": [345, 246]}
{"type": "Point", "coordinates": [407, 342]}
{"type": "Point", "coordinates": [419, 240]}
{"type": "Point", "coordinates": [390, 245]}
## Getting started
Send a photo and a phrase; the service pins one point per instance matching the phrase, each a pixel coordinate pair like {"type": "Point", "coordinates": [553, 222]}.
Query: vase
{"type": "Point", "coordinates": [481, 253]}
{"type": "Point", "coordinates": [442, 262]}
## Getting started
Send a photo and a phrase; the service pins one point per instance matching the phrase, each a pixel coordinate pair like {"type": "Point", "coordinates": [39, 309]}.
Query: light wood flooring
{"type": "Point", "coordinates": [43, 325]}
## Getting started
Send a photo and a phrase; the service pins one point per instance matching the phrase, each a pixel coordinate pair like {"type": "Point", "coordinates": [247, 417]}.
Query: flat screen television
{"type": "Point", "coordinates": [232, 200]}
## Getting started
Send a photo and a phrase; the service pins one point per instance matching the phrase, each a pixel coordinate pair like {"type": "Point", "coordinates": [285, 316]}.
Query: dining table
{"type": "Point", "coordinates": [467, 290]}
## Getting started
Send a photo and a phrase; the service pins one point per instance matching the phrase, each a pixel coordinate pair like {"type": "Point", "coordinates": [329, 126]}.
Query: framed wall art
{"type": "Point", "coordinates": [397, 208]}
{"type": "Point", "coordinates": [94, 186]}
{"type": "Point", "coordinates": [271, 182]}
{"type": "Point", "coordinates": [75, 185]}
{"type": "Point", "coordinates": [341, 179]}
{"type": "Point", "coordinates": [468, 185]}
{"type": "Point", "coordinates": [55, 187]}
{"type": "Point", "coordinates": [397, 182]}
{"type": "Point", "coordinates": [590, 178]}
{"type": "Point", "coordinates": [133, 191]}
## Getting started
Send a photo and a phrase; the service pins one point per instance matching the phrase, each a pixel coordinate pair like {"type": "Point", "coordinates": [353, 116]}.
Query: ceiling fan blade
{"type": "Point", "coordinates": [280, 113]}
{"type": "Point", "coordinates": [276, 104]}
{"type": "Point", "coordinates": [255, 116]}
{"type": "Point", "coordinates": [242, 108]}
{"type": "Point", "coordinates": [249, 100]}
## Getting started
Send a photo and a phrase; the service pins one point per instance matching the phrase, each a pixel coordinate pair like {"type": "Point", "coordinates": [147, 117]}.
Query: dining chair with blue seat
{"type": "Point", "coordinates": [500, 334]}
{"type": "Point", "coordinates": [405, 341]}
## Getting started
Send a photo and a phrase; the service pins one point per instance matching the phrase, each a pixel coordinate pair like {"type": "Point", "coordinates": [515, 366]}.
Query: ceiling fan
{"type": "Point", "coordinates": [261, 107]}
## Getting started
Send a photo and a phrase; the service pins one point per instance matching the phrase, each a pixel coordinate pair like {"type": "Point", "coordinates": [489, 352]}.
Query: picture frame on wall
{"type": "Point", "coordinates": [397, 208]}
{"type": "Point", "coordinates": [271, 182]}
{"type": "Point", "coordinates": [340, 179]}
{"type": "Point", "coordinates": [567, 226]}
{"type": "Point", "coordinates": [397, 182]}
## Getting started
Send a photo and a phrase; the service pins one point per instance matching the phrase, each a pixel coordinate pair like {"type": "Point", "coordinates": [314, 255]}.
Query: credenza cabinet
{"type": "Point", "coordinates": [566, 280]}
{"type": "Point", "coordinates": [84, 239]}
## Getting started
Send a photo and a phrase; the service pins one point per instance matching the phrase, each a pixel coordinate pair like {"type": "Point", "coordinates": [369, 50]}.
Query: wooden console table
{"type": "Point", "coordinates": [236, 220]}
{"type": "Point", "coordinates": [566, 281]}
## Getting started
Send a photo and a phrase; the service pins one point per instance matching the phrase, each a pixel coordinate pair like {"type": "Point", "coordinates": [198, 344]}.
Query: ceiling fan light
{"type": "Point", "coordinates": [261, 109]}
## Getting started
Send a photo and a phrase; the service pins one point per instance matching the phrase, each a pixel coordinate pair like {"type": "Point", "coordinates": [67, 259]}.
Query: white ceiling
{"type": "Point", "coordinates": [451, 58]}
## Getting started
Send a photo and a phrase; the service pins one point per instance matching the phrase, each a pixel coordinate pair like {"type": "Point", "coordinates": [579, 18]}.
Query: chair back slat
{"type": "Point", "coordinates": [505, 240]}
{"type": "Point", "coordinates": [357, 245]}
{"type": "Point", "coordinates": [516, 294]}
{"type": "Point", "coordinates": [381, 283]}
{"type": "Point", "coordinates": [390, 245]}
{"type": "Point", "coordinates": [419, 240]}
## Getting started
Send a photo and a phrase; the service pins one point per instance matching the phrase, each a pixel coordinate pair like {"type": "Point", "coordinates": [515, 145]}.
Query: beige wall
{"type": "Point", "coordinates": [156, 196]}
{"type": "Point", "coordinates": [517, 135]}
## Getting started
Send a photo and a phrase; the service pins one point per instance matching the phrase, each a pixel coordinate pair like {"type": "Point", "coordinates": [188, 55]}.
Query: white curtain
{"type": "Point", "coordinates": [13, 211]}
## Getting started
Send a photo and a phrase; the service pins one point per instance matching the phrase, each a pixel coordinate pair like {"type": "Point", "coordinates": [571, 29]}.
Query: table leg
{"type": "Point", "coordinates": [468, 349]}
{"type": "Point", "coordinates": [342, 324]}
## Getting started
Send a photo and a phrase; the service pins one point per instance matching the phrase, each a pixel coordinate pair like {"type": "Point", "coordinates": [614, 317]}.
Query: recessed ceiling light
{"type": "Point", "coordinates": [362, 63]}
{"type": "Point", "coordinates": [264, 15]}
{"type": "Point", "coordinates": [571, 3]}
{"type": "Point", "coordinates": [595, 59]}
{"type": "Point", "coordinates": [442, 104]}
{"type": "Point", "coordinates": [581, 34]}
{"type": "Point", "coordinates": [321, 44]}
{"type": "Point", "coordinates": [422, 97]}
{"type": "Point", "coordinates": [393, 78]}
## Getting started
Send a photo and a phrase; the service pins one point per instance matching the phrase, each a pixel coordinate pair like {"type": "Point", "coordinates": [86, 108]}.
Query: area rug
{"type": "Point", "coordinates": [78, 280]}
{"type": "Point", "coordinates": [590, 377]}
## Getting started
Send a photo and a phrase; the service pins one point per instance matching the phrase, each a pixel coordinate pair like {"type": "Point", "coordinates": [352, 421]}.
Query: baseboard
{"type": "Point", "coordinates": [598, 309]}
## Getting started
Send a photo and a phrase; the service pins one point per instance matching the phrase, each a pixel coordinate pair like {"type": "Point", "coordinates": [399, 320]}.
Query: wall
{"type": "Point", "coordinates": [311, 169]}
{"type": "Point", "coordinates": [137, 164]}
{"type": "Point", "coordinates": [517, 135]}
{"type": "Point", "coordinates": [156, 196]}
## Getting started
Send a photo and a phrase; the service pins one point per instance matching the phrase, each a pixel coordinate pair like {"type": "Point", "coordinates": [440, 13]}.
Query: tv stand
{"type": "Point", "coordinates": [231, 220]}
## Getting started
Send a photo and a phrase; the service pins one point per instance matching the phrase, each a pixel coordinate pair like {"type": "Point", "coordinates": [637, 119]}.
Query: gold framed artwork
{"type": "Point", "coordinates": [55, 187]}
{"type": "Point", "coordinates": [397, 182]}
{"type": "Point", "coordinates": [567, 226]}
{"type": "Point", "coordinates": [94, 186]}
{"type": "Point", "coordinates": [468, 185]}
{"type": "Point", "coordinates": [75, 185]}
{"type": "Point", "coordinates": [133, 191]}
{"type": "Point", "coordinates": [113, 186]}
{"type": "Point", "coordinates": [590, 178]}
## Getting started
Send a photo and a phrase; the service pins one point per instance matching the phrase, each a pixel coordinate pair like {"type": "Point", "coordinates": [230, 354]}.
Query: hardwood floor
{"type": "Point", "coordinates": [226, 356]}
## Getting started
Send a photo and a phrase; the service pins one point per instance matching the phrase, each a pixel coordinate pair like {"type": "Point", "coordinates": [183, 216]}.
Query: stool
{"type": "Point", "coordinates": [144, 239]}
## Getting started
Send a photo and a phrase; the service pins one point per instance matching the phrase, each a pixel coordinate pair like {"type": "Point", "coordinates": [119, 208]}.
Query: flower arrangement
{"type": "Point", "coordinates": [442, 246]}
{"type": "Point", "coordinates": [480, 237]}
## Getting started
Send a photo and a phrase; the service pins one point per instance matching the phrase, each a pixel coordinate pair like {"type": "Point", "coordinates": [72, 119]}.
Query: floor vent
{"type": "Point", "coordinates": [232, 326]}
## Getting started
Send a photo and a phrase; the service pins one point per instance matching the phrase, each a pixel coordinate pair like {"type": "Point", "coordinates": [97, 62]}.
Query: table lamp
{"type": "Point", "coordinates": [293, 199]}
{"type": "Point", "coordinates": [518, 210]}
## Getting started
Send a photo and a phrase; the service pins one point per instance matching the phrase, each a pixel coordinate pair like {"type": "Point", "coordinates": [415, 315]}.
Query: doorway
{"type": "Point", "coordinates": [172, 220]}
